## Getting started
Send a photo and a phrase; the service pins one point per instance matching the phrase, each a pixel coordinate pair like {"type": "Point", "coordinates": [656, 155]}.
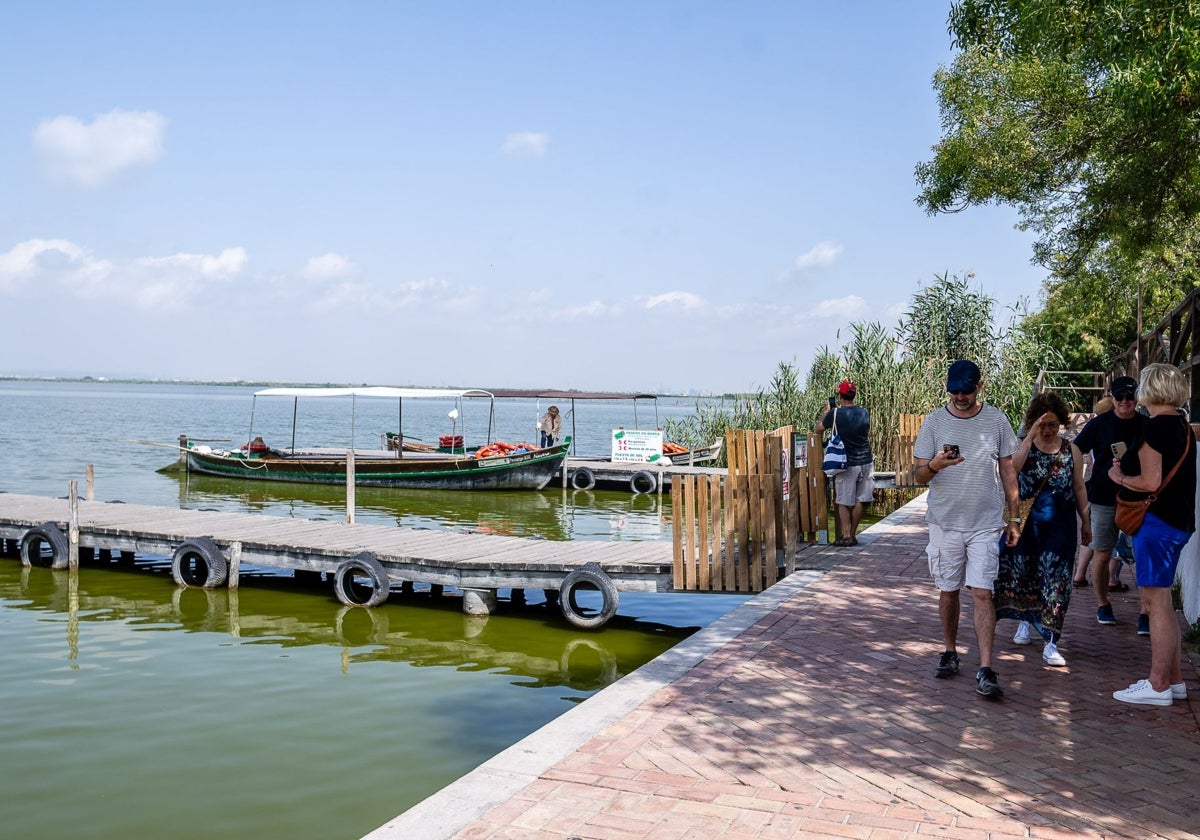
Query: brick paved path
{"type": "Point", "coordinates": [824, 720]}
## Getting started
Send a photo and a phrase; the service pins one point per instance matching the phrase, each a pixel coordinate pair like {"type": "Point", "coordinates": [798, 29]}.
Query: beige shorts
{"type": "Point", "coordinates": [958, 557]}
{"type": "Point", "coordinates": [855, 484]}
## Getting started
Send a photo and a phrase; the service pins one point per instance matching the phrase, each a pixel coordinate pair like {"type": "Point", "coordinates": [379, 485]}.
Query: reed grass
{"type": "Point", "coordinates": [898, 371]}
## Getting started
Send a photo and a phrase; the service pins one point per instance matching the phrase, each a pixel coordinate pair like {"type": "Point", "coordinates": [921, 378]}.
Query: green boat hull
{"type": "Point", "coordinates": [530, 470]}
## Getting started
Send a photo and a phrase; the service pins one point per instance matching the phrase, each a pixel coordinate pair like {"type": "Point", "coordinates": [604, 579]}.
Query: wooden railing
{"type": "Point", "coordinates": [1173, 341]}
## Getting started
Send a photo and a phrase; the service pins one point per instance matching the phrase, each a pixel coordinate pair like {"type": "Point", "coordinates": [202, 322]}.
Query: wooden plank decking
{"type": "Point", "coordinates": [460, 560]}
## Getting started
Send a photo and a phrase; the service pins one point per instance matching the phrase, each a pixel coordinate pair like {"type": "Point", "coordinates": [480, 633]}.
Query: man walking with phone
{"type": "Point", "coordinates": [1105, 436]}
{"type": "Point", "coordinates": [964, 453]}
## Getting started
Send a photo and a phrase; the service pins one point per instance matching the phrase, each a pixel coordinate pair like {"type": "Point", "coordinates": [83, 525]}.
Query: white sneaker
{"type": "Point", "coordinates": [1179, 691]}
{"type": "Point", "coordinates": [1023, 636]}
{"type": "Point", "coordinates": [1143, 694]}
{"type": "Point", "coordinates": [1051, 656]}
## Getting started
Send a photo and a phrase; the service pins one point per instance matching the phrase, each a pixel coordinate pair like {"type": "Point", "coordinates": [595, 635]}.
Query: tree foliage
{"type": "Point", "coordinates": [1091, 317]}
{"type": "Point", "coordinates": [1084, 116]}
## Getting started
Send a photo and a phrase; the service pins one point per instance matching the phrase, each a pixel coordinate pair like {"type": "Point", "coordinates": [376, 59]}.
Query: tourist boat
{"type": "Point", "coordinates": [493, 466]}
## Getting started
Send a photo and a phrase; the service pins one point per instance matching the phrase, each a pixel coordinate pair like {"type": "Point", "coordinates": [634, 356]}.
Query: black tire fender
{"type": "Point", "coordinates": [583, 479]}
{"type": "Point", "coordinates": [589, 576]}
{"type": "Point", "coordinates": [45, 536]}
{"type": "Point", "coordinates": [199, 562]}
{"type": "Point", "coordinates": [643, 481]}
{"type": "Point", "coordinates": [361, 581]}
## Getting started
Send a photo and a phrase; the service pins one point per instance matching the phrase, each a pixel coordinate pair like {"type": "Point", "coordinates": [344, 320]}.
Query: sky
{"type": "Point", "coordinates": [627, 196]}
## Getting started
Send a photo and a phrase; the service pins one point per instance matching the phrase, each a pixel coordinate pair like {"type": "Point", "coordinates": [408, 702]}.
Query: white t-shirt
{"type": "Point", "coordinates": [967, 496]}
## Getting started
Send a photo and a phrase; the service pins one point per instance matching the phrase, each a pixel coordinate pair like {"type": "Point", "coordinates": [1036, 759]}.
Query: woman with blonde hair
{"type": "Point", "coordinates": [1162, 465]}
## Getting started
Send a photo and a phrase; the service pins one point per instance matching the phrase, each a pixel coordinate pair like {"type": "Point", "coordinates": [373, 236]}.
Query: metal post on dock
{"type": "Point", "coordinates": [91, 483]}
{"type": "Point", "coordinates": [350, 487]}
{"type": "Point", "coordinates": [73, 525]}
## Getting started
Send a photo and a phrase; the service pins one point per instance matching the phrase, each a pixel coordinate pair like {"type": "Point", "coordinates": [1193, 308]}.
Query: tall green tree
{"type": "Point", "coordinates": [1085, 116]}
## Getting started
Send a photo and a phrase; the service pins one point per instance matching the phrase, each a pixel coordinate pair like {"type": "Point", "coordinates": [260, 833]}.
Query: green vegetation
{"type": "Point", "coordinates": [1085, 117]}
{"type": "Point", "coordinates": [898, 372]}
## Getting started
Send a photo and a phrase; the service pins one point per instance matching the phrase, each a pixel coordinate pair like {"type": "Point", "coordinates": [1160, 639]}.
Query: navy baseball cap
{"type": "Point", "coordinates": [1124, 385]}
{"type": "Point", "coordinates": [963, 377]}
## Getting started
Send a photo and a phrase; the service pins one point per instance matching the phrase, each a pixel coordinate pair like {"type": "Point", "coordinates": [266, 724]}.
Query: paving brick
{"type": "Point", "coordinates": [823, 719]}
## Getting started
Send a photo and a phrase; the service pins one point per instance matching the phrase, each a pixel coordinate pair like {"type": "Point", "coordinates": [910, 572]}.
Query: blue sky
{"type": "Point", "coordinates": [644, 196]}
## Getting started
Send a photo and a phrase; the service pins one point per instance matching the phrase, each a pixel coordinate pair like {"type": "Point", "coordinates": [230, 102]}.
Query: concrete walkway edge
{"type": "Point", "coordinates": [464, 801]}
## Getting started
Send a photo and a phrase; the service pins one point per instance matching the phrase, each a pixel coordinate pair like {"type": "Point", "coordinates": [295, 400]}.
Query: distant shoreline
{"type": "Point", "coordinates": [277, 384]}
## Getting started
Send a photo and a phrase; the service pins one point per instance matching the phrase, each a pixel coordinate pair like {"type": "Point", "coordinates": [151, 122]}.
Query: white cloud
{"type": "Point", "coordinates": [29, 259]}
{"type": "Point", "coordinates": [821, 254]}
{"type": "Point", "coordinates": [342, 295]}
{"type": "Point", "coordinates": [682, 300]}
{"type": "Point", "coordinates": [172, 282]}
{"type": "Point", "coordinates": [526, 144]}
{"type": "Point", "coordinates": [229, 262]}
{"type": "Point", "coordinates": [91, 155]}
{"type": "Point", "coordinates": [329, 266]}
{"type": "Point", "coordinates": [845, 307]}
{"type": "Point", "coordinates": [592, 309]}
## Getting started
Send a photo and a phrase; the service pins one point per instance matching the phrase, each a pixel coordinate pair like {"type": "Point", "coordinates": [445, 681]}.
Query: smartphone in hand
{"type": "Point", "coordinates": [951, 449]}
{"type": "Point", "coordinates": [1118, 450]}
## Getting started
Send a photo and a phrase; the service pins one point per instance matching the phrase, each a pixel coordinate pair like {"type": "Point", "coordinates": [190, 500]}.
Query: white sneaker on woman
{"type": "Point", "coordinates": [1143, 694]}
{"type": "Point", "coordinates": [1023, 635]}
{"type": "Point", "coordinates": [1051, 656]}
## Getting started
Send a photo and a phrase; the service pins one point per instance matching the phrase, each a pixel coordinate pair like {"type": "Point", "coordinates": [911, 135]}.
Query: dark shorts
{"type": "Point", "coordinates": [1156, 550]}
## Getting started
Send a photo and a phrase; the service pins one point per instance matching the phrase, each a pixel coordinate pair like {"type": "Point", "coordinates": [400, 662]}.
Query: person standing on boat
{"type": "Point", "coordinates": [854, 485]}
{"type": "Point", "coordinates": [550, 427]}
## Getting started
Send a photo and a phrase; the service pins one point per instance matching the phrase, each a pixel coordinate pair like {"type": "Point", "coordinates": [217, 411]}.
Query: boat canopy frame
{"type": "Point", "coordinates": [377, 392]}
{"type": "Point", "coordinates": [557, 396]}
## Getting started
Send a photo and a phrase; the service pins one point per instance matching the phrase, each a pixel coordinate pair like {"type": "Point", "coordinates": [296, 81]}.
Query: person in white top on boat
{"type": "Point", "coordinates": [550, 427]}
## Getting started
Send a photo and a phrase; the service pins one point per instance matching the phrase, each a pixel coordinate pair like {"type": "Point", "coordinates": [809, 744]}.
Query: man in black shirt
{"type": "Point", "coordinates": [1121, 427]}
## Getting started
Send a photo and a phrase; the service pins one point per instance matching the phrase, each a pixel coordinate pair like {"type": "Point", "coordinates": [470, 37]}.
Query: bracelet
{"type": "Point", "coordinates": [931, 469]}
{"type": "Point", "coordinates": [1016, 519]}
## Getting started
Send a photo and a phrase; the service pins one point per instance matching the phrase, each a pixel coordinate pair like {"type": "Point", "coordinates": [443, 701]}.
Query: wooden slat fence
{"type": "Point", "coordinates": [734, 533]}
{"type": "Point", "coordinates": [906, 436]}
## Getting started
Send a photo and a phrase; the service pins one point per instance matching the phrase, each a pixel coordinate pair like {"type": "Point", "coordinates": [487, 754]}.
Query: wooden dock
{"type": "Point", "coordinates": [363, 559]}
{"type": "Point", "coordinates": [636, 477]}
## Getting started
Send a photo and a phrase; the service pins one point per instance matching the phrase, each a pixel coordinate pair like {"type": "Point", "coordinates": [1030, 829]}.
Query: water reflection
{"type": "Point", "coordinates": [417, 629]}
{"type": "Point", "coordinates": [552, 514]}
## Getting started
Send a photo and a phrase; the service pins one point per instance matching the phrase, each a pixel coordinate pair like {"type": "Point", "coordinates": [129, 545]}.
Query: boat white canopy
{"type": "Point", "coordinates": [377, 391]}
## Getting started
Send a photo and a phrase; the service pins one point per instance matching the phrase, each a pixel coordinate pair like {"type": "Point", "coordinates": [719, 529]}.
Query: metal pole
{"type": "Point", "coordinates": [250, 432]}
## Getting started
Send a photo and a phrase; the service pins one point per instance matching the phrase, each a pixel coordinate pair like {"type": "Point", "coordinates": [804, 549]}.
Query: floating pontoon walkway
{"type": "Point", "coordinates": [365, 559]}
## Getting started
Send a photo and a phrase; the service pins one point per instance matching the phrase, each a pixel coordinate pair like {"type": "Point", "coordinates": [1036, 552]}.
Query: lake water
{"type": "Point", "coordinates": [133, 708]}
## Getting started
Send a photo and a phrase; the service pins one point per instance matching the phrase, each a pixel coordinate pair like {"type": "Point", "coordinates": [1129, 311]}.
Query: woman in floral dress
{"type": "Point", "coordinates": [1034, 582]}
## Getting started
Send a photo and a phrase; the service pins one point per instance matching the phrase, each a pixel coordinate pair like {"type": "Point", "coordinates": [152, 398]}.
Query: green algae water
{"type": "Point", "coordinates": [132, 708]}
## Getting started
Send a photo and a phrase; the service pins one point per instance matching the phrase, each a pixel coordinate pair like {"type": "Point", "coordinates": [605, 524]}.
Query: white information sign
{"type": "Point", "coordinates": [636, 445]}
{"type": "Point", "coordinates": [800, 448]}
